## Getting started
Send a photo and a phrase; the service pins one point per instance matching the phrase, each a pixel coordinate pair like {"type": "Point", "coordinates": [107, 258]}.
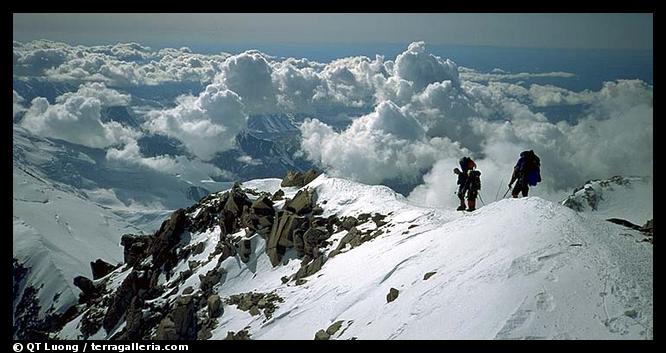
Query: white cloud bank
{"type": "Point", "coordinates": [206, 124]}
{"type": "Point", "coordinates": [419, 113]}
{"type": "Point", "coordinates": [76, 117]}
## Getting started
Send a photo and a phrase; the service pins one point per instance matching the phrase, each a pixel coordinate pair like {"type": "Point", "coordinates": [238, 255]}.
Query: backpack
{"type": "Point", "coordinates": [529, 166]}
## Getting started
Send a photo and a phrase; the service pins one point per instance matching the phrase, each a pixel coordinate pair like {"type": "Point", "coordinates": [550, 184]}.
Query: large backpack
{"type": "Point", "coordinates": [530, 167]}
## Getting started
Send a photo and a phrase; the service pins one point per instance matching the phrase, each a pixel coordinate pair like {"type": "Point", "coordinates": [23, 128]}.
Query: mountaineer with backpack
{"type": "Point", "coordinates": [526, 173]}
{"type": "Point", "coordinates": [470, 183]}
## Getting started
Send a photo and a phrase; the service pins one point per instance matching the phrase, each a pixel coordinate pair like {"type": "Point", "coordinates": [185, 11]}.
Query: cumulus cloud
{"type": "Point", "coordinates": [422, 68]}
{"type": "Point", "coordinates": [76, 118]}
{"type": "Point", "coordinates": [206, 124]}
{"type": "Point", "coordinates": [384, 144]}
{"type": "Point", "coordinates": [120, 65]}
{"type": "Point", "coordinates": [17, 104]}
{"type": "Point", "coordinates": [410, 117]}
{"type": "Point", "coordinates": [250, 76]}
{"type": "Point", "coordinates": [130, 154]}
{"type": "Point", "coordinates": [614, 137]}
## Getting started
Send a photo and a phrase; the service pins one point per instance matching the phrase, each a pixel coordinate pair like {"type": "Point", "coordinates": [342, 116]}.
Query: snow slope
{"type": "Point", "coordinates": [629, 198]}
{"type": "Point", "coordinates": [515, 269]}
{"type": "Point", "coordinates": [57, 233]}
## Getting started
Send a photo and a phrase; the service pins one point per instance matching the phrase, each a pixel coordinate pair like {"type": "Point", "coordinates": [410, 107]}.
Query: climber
{"type": "Point", "coordinates": [526, 173]}
{"type": "Point", "coordinates": [469, 182]}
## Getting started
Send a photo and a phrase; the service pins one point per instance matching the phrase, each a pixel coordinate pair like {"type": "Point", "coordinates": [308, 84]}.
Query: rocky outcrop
{"type": "Point", "coordinates": [212, 278]}
{"type": "Point", "coordinates": [238, 336]}
{"type": "Point", "coordinates": [278, 195]}
{"type": "Point", "coordinates": [310, 268]}
{"type": "Point", "coordinates": [214, 306]}
{"type": "Point", "coordinates": [298, 179]}
{"type": "Point", "coordinates": [302, 203]}
{"type": "Point", "coordinates": [135, 247]}
{"type": "Point", "coordinates": [181, 322]}
{"type": "Point", "coordinates": [133, 285]}
{"type": "Point", "coordinates": [321, 335]}
{"type": "Point", "coordinates": [88, 289]}
{"type": "Point", "coordinates": [138, 301]}
{"type": "Point", "coordinates": [166, 239]}
{"type": "Point", "coordinates": [254, 303]}
{"type": "Point", "coordinates": [101, 268]}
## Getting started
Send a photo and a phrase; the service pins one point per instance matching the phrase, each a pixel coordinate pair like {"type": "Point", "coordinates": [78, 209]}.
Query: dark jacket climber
{"type": "Point", "coordinates": [526, 172]}
{"type": "Point", "coordinates": [469, 182]}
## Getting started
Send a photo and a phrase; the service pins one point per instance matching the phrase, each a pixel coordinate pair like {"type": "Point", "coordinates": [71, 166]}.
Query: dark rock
{"type": "Point", "coordinates": [300, 281]}
{"type": "Point", "coordinates": [428, 275]}
{"type": "Point", "coordinates": [293, 178]}
{"type": "Point", "coordinates": [214, 306]}
{"type": "Point", "coordinates": [302, 203]}
{"type": "Point", "coordinates": [321, 335]}
{"type": "Point", "coordinates": [188, 290]}
{"type": "Point", "coordinates": [91, 321]}
{"type": "Point", "coordinates": [204, 333]}
{"type": "Point", "coordinates": [240, 335]}
{"type": "Point", "coordinates": [85, 285]}
{"type": "Point", "coordinates": [184, 319]}
{"type": "Point", "coordinates": [278, 195]}
{"type": "Point", "coordinates": [245, 250]}
{"type": "Point", "coordinates": [166, 330]}
{"type": "Point", "coordinates": [392, 295]}
{"type": "Point", "coordinates": [263, 206]}
{"type": "Point", "coordinates": [363, 217]}
{"type": "Point", "coordinates": [252, 302]}
{"type": "Point", "coordinates": [310, 268]}
{"type": "Point", "coordinates": [192, 265]}
{"type": "Point", "coordinates": [379, 219]}
{"type": "Point", "coordinates": [236, 201]}
{"type": "Point", "coordinates": [312, 239]}
{"type": "Point", "coordinates": [229, 222]}
{"type": "Point", "coordinates": [309, 176]}
{"type": "Point", "coordinates": [284, 279]}
{"type": "Point", "coordinates": [135, 247]}
{"type": "Point", "coordinates": [121, 300]}
{"type": "Point", "coordinates": [199, 248]}
{"type": "Point", "coordinates": [225, 248]}
{"type": "Point", "coordinates": [134, 321]}
{"type": "Point", "coordinates": [167, 237]}
{"type": "Point", "coordinates": [353, 237]}
{"type": "Point", "coordinates": [212, 278]}
{"type": "Point", "coordinates": [281, 236]}
{"type": "Point", "coordinates": [101, 268]}
{"type": "Point", "coordinates": [348, 222]}
{"type": "Point", "coordinates": [331, 330]}
{"type": "Point", "coordinates": [317, 211]}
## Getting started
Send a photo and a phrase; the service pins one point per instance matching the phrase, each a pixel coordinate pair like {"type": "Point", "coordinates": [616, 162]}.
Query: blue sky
{"type": "Point", "coordinates": [551, 30]}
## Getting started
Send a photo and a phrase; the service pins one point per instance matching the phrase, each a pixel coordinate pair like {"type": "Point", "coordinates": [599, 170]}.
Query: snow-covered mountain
{"type": "Point", "coordinates": [629, 198]}
{"type": "Point", "coordinates": [342, 260]}
{"type": "Point", "coordinates": [57, 232]}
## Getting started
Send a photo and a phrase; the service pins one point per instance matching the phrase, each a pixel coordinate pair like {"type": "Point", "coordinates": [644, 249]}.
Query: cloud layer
{"type": "Point", "coordinates": [409, 118]}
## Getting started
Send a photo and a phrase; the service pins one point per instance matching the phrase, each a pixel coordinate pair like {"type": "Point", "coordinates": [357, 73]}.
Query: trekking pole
{"type": "Point", "coordinates": [481, 199]}
{"type": "Point", "coordinates": [498, 188]}
{"type": "Point", "coordinates": [507, 191]}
